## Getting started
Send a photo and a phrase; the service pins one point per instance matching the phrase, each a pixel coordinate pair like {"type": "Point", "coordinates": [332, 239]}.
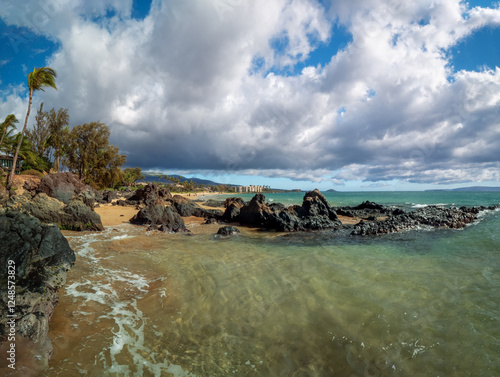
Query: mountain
{"type": "Point", "coordinates": [153, 177]}
{"type": "Point", "coordinates": [472, 188]}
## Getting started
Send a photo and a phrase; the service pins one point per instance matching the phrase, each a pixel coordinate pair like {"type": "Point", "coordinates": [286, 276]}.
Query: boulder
{"type": "Point", "coordinates": [63, 186]}
{"type": "Point", "coordinates": [256, 213]}
{"type": "Point", "coordinates": [228, 201]}
{"type": "Point", "coordinates": [186, 208]}
{"type": "Point", "coordinates": [76, 215]}
{"type": "Point", "coordinates": [42, 257]}
{"type": "Point", "coordinates": [159, 215]}
{"type": "Point", "coordinates": [210, 221]}
{"type": "Point", "coordinates": [109, 196]}
{"type": "Point", "coordinates": [314, 214]}
{"type": "Point", "coordinates": [149, 194]}
{"type": "Point", "coordinates": [228, 231]}
{"type": "Point", "coordinates": [215, 203]}
{"type": "Point", "coordinates": [232, 212]}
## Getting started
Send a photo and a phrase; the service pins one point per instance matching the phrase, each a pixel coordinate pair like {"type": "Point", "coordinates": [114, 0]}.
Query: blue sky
{"type": "Point", "coordinates": [347, 95]}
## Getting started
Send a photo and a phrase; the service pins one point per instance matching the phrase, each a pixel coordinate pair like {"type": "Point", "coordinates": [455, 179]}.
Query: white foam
{"type": "Point", "coordinates": [106, 288]}
{"type": "Point", "coordinates": [419, 205]}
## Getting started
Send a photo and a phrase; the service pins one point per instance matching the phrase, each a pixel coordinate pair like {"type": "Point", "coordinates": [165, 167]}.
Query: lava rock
{"type": "Point", "coordinates": [77, 215]}
{"type": "Point", "coordinates": [42, 257]}
{"type": "Point", "coordinates": [228, 231]}
{"type": "Point", "coordinates": [157, 214]}
{"type": "Point", "coordinates": [63, 186]}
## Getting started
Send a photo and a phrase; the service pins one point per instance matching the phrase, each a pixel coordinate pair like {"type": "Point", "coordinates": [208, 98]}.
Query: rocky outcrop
{"type": "Point", "coordinates": [214, 203]}
{"type": "Point", "coordinates": [149, 194]}
{"type": "Point", "coordinates": [431, 216]}
{"type": "Point", "coordinates": [63, 187]}
{"type": "Point", "coordinates": [186, 208]}
{"type": "Point", "coordinates": [159, 215]}
{"type": "Point", "coordinates": [42, 257]}
{"type": "Point", "coordinates": [233, 208]}
{"type": "Point", "coordinates": [228, 231]}
{"type": "Point", "coordinates": [77, 215]}
{"type": "Point", "coordinates": [368, 211]}
{"type": "Point", "coordinates": [314, 214]}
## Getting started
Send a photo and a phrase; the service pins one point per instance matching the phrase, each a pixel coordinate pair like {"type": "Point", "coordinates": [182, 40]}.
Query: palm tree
{"type": "Point", "coordinates": [37, 80]}
{"type": "Point", "coordinates": [9, 121]}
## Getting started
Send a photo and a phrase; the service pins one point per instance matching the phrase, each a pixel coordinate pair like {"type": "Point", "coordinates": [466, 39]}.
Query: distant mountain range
{"type": "Point", "coordinates": [152, 177]}
{"type": "Point", "coordinates": [472, 188]}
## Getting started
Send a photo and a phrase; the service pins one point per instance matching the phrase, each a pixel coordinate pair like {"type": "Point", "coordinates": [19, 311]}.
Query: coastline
{"type": "Point", "coordinates": [112, 215]}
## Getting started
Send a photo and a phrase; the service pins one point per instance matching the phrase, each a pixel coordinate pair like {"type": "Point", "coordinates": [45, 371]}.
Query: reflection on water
{"type": "Point", "coordinates": [417, 304]}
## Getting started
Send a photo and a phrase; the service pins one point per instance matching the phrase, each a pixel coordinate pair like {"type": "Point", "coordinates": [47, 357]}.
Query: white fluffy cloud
{"type": "Point", "coordinates": [190, 87]}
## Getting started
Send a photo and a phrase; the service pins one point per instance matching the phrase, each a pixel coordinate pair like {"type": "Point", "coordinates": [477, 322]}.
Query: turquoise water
{"type": "Point", "coordinates": [419, 303]}
{"type": "Point", "coordinates": [401, 198]}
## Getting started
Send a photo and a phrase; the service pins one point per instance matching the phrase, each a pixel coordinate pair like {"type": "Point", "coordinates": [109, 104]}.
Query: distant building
{"type": "Point", "coordinates": [6, 163]}
{"type": "Point", "coordinates": [249, 189]}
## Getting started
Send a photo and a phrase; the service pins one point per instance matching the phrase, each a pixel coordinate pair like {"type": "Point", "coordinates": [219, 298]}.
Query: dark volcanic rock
{"type": "Point", "coordinates": [210, 221]}
{"type": "Point", "coordinates": [187, 208]}
{"type": "Point", "coordinates": [76, 215]}
{"type": "Point", "coordinates": [42, 258]}
{"type": "Point", "coordinates": [157, 214]}
{"type": "Point", "coordinates": [63, 186]}
{"type": "Point", "coordinates": [232, 212]}
{"type": "Point", "coordinates": [239, 201]}
{"type": "Point", "coordinates": [109, 196]}
{"type": "Point", "coordinates": [431, 216]}
{"type": "Point", "coordinates": [256, 213]}
{"type": "Point", "coordinates": [214, 203]}
{"type": "Point", "coordinates": [149, 194]}
{"type": "Point", "coordinates": [228, 231]}
{"type": "Point", "coordinates": [314, 214]}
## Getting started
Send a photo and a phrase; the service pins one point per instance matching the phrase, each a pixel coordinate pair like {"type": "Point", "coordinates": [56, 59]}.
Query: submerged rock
{"type": "Point", "coordinates": [42, 257]}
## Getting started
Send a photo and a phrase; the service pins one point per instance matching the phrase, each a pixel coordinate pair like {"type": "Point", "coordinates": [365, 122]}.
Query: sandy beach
{"type": "Point", "coordinates": [116, 215]}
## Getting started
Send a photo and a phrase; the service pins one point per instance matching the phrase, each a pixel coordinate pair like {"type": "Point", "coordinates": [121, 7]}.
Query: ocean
{"type": "Point", "coordinates": [418, 303]}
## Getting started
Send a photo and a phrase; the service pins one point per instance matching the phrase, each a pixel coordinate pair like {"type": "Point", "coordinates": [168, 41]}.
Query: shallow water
{"type": "Point", "coordinates": [421, 303]}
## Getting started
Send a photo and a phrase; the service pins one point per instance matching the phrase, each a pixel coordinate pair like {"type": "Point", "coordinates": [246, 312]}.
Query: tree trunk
{"type": "Point", "coordinates": [14, 161]}
{"type": "Point", "coordinates": [3, 134]}
{"type": "Point", "coordinates": [57, 162]}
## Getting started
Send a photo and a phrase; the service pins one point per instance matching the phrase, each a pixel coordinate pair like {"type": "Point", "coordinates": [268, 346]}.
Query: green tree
{"type": "Point", "coordinates": [37, 80]}
{"type": "Point", "coordinates": [9, 122]}
{"type": "Point", "coordinates": [131, 175]}
{"type": "Point", "coordinates": [40, 134]}
{"type": "Point", "coordinates": [58, 122]}
{"type": "Point", "coordinates": [92, 158]}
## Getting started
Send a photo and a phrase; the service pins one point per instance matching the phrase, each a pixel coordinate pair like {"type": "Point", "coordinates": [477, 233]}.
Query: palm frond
{"type": "Point", "coordinates": [9, 121]}
{"type": "Point", "coordinates": [41, 78]}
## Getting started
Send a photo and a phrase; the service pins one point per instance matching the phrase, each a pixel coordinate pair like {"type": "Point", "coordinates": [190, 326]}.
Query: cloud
{"type": "Point", "coordinates": [181, 89]}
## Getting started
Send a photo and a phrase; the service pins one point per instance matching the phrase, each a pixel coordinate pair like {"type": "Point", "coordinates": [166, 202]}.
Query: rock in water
{"type": "Point", "coordinates": [42, 257]}
{"type": "Point", "coordinates": [186, 208]}
{"type": "Point", "coordinates": [228, 231]}
{"type": "Point", "coordinates": [314, 214]}
{"type": "Point", "coordinates": [159, 215]}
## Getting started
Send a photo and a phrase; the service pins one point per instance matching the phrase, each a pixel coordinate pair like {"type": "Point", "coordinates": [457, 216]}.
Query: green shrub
{"type": "Point", "coordinates": [32, 172]}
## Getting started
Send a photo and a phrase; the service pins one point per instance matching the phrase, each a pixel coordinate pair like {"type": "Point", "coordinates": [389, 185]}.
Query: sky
{"type": "Point", "coordinates": [328, 94]}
